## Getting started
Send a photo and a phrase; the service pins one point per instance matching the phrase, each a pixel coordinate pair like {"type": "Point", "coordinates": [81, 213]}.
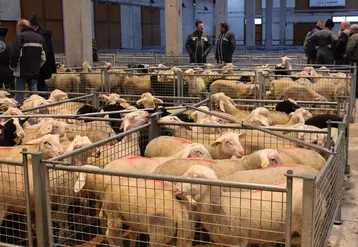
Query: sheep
{"type": "Point", "coordinates": [233, 89]}
{"type": "Point", "coordinates": [285, 65]}
{"type": "Point", "coordinates": [117, 193]}
{"type": "Point", "coordinates": [300, 116]}
{"type": "Point", "coordinates": [95, 131]}
{"type": "Point", "coordinates": [11, 132]}
{"type": "Point", "coordinates": [224, 147]}
{"type": "Point", "coordinates": [4, 94]}
{"type": "Point", "coordinates": [287, 106]}
{"type": "Point", "coordinates": [148, 100]}
{"type": "Point", "coordinates": [111, 98]}
{"type": "Point", "coordinates": [137, 85]}
{"type": "Point", "coordinates": [320, 121]}
{"type": "Point", "coordinates": [11, 111]}
{"type": "Point", "coordinates": [302, 156]}
{"type": "Point", "coordinates": [330, 89]}
{"type": "Point", "coordinates": [260, 117]}
{"type": "Point", "coordinates": [148, 165]}
{"type": "Point", "coordinates": [227, 215]}
{"type": "Point", "coordinates": [259, 159]}
{"type": "Point", "coordinates": [203, 118]}
{"type": "Point", "coordinates": [5, 103]}
{"type": "Point", "coordinates": [196, 84]}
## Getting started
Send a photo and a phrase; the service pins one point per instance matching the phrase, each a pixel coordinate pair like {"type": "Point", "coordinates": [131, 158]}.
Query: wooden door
{"type": "Point", "coordinates": [49, 15]}
{"type": "Point", "coordinates": [11, 30]}
{"type": "Point", "coordinates": [150, 26]}
{"type": "Point", "coordinates": [300, 31]}
{"type": "Point", "coordinates": [107, 17]}
{"type": "Point", "coordinates": [258, 34]}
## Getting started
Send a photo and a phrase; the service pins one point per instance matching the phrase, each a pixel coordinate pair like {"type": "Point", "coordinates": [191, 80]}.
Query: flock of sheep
{"type": "Point", "coordinates": [170, 213]}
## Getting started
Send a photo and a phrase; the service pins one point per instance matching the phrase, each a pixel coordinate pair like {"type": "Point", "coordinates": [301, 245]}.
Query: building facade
{"type": "Point", "coordinates": [140, 24]}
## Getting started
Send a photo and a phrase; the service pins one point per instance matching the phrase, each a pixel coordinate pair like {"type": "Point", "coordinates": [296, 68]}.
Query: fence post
{"type": "Point", "coordinates": [107, 85]}
{"type": "Point", "coordinates": [262, 90]}
{"type": "Point", "coordinates": [289, 186]}
{"type": "Point", "coordinates": [94, 100]}
{"type": "Point", "coordinates": [308, 199]}
{"type": "Point", "coordinates": [329, 134]}
{"type": "Point", "coordinates": [180, 90]}
{"type": "Point", "coordinates": [209, 103]}
{"type": "Point", "coordinates": [153, 131]}
{"type": "Point", "coordinates": [42, 205]}
{"type": "Point", "coordinates": [27, 197]}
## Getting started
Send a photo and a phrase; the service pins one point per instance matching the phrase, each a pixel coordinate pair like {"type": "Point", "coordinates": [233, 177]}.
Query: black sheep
{"type": "Point", "coordinates": [287, 106]}
{"type": "Point", "coordinates": [142, 68]}
{"type": "Point", "coordinates": [8, 132]}
{"type": "Point", "coordinates": [320, 121]}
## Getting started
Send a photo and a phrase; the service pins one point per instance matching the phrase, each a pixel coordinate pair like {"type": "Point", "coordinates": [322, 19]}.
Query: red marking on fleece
{"type": "Point", "coordinates": [287, 149]}
{"type": "Point", "coordinates": [271, 167]}
{"type": "Point", "coordinates": [201, 159]}
{"type": "Point", "coordinates": [277, 183]}
{"type": "Point", "coordinates": [135, 157]}
{"type": "Point", "coordinates": [182, 140]}
{"type": "Point", "coordinates": [6, 149]}
{"type": "Point", "coordinates": [106, 147]}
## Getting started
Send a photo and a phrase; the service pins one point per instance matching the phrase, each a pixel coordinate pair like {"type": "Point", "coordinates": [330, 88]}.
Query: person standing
{"type": "Point", "coordinates": [225, 45]}
{"type": "Point", "coordinates": [351, 55]}
{"type": "Point", "coordinates": [49, 67]}
{"type": "Point", "coordinates": [310, 49]}
{"type": "Point", "coordinates": [27, 58]}
{"type": "Point", "coordinates": [198, 44]}
{"type": "Point", "coordinates": [6, 75]}
{"type": "Point", "coordinates": [325, 42]}
{"type": "Point", "coordinates": [343, 37]}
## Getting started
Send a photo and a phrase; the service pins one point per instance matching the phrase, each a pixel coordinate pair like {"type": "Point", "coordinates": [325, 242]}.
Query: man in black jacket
{"type": "Point", "coordinates": [225, 45]}
{"type": "Point", "coordinates": [343, 37]}
{"type": "Point", "coordinates": [311, 49]}
{"type": "Point", "coordinates": [198, 44]}
{"type": "Point", "coordinates": [27, 58]}
{"type": "Point", "coordinates": [50, 65]}
{"type": "Point", "coordinates": [6, 76]}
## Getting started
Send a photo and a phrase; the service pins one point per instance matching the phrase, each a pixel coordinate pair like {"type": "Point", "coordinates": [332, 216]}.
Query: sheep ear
{"type": "Point", "coordinates": [159, 101]}
{"type": "Point", "coordinates": [187, 152]}
{"type": "Point", "coordinates": [80, 182]}
{"type": "Point", "coordinates": [71, 147]}
{"type": "Point", "coordinates": [125, 125]}
{"type": "Point", "coordinates": [222, 106]}
{"type": "Point", "coordinates": [194, 115]}
{"type": "Point", "coordinates": [242, 135]}
{"type": "Point", "coordinates": [139, 102]}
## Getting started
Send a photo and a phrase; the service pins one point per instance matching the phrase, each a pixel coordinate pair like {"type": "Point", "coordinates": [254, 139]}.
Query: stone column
{"type": "Point", "coordinates": [173, 27]}
{"type": "Point", "coordinates": [77, 23]}
{"type": "Point", "coordinates": [268, 23]}
{"type": "Point", "coordinates": [250, 10]}
{"type": "Point", "coordinates": [220, 14]}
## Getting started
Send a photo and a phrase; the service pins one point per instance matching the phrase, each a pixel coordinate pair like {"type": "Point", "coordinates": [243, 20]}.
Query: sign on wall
{"type": "Point", "coordinates": [327, 3]}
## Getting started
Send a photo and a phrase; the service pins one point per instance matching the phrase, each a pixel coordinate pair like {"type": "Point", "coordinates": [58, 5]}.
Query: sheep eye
{"type": "Point", "coordinates": [273, 159]}
{"type": "Point", "coordinates": [47, 143]}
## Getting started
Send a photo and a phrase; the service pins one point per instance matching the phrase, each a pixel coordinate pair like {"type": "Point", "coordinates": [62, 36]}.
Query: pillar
{"type": "Point", "coordinates": [268, 23]}
{"type": "Point", "coordinates": [250, 10]}
{"type": "Point", "coordinates": [173, 27]}
{"type": "Point", "coordinates": [220, 14]}
{"type": "Point", "coordinates": [283, 7]}
{"type": "Point", "coordinates": [77, 23]}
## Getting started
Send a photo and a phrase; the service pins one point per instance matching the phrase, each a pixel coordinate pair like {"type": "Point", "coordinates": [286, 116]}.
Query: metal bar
{"type": "Point", "coordinates": [11, 162]}
{"type": "Point", "coordinates": [308, 212]}
{"type": "Point", "coordinates": [168, 178]}
{"type": "Point", "coordinates": [107, 85]}
{"type": "Point", "coordinates": [289, 199]}
{"type": "Point", "coordinates": [8, 245]}
{"type": "Point", "coordinates": [329, 134]}
{"type": "Point", "coordinates": [278, 101]}
{"type": "Point", "coordinates": [196, 104]}
{"type": "Point", "coordinates": [27, 197]}
{"type": "Point", "coordinates": [40, 92]}
{"type": "Point", "coordinates": [97, 144]}
{"type": "Point", "coordinates": [153, 131]}
{"type": "Point", "coordinates": [57, 103]}
{"type": "Point", "coordinates": [268, 131]}
{"type": "Point", "coordinates": [42, 205]}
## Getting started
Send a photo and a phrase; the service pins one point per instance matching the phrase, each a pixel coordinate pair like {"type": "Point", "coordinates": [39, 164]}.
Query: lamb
{"type": "Point", "coordinates": [134, 85]}
{"type": "Point", "coordinates": [4, 94]}
{"type": "Point", "coordinates": [46, 126]}
{"type": "Point", "coordinates": [224, 147]}
{"type": "Point", "coordinates": [11, 111]}
{"type": "Point", "coordinates": [227, 215]}
{"type": "Point", "coordinates": [5, 103]}
{"type": "Point", "coordinates": [141, 164]}
{"type": "Point", "coordinates": [285, 67]}
{"type": "Point", "coordinates": [95, 131]}
{"type": "Point", "coordinates": [148, 100]}
{"type": "Point", "coordinates": [93, 80]}
{"type": "Point", "coordinates": [234, 89]}
{"type": "Point", "coordinates": [196, 84]}
{"type": "Point", "coordinates": [300, 116]}
{"type": "Point", "coordinates": [223, 168]}
{"type": "Point", "coordinates": [117, 193]}
{"type": "Point", "coordinates": [302, 156]}
{"type": "Point", "coordinates": [320, 121]}
{"type": "Point", "coordinates": [287, 106]}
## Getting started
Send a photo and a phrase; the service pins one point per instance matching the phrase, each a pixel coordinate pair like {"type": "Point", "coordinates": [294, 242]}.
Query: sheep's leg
{"type": "Point", "coordinates": [133, 236]}
{"type": "Point", "coordinates": [114, 232]}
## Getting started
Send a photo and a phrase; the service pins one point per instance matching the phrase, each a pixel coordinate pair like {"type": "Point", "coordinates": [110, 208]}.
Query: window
{"type": "Point", "coordinates": [352, 18]}
{"type": "Point", "coordinates": [258, 21]}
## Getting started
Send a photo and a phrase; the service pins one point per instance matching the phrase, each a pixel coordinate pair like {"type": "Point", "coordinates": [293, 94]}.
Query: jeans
{"type": "Point", "coordinates": [41, 85]}
{"type": "Point", "coordinates": [20, 85]}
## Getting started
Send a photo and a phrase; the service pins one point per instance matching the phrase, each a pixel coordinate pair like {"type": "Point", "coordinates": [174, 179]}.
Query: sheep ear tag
{"type": "Point", "coordinates": [102, 110]}
{"type": "Point", "coordinates": [264, 164]}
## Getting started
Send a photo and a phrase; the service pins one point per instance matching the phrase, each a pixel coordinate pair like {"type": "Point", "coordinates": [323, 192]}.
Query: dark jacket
{"type": "Point", "coordinates": [50, 65]}
{"type": "Point", "coordinates": [198, 46]}
{"type": "Point", "coordinates": [323, 38]}
{"type": "Point", "coordinates": [310, 48]}
{"type": "Point", "coordinates": [342, 45]}
{"type": "Point", "coordinates": [5, 53]}
{"type": "Point", "coordinates": [28, 54]}
{"type": "Point", "coordinates": [225, 47]}
{"type": "Point", "coordinates": [352, 49]}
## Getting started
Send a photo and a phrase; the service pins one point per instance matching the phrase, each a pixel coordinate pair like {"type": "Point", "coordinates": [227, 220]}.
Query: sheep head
{"type": "Point", "coordinates": [149, 101]}
{"type": "Point", "coordinates": [196, 150]}
{"type": "Point", "coordinates": [58, 95]}
{"type": "Point", "coordinates": [49, 145]}
{"type": "Point", "coordinates": [229, 145]}
{"type": "Point", "coordinates": [86, 67]}
{"type": "Point", "coordinates": [134, 119]}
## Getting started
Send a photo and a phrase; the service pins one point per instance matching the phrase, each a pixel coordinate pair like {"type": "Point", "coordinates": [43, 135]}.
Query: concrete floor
{"type": "Point", "coordinates": [346, 235]}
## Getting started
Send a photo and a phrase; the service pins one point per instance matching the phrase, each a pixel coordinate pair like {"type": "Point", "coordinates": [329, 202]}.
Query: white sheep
{"type": "Point", "coordinates": [134, 85]}
{"type": "Point", "coordinates": [4, 94]}
{"type": "Point", "coordinates": [123, 201]}
{"type": "Point", "coordinates": [5, 103]}
{"type": "Point", "coordinates": [260, 159]}
{"type": "Point", "coordinates": [229, 217]}
{"type": "Point", "coordinates": [148, 100]}
{"type": "Point", "coordinates": [302, 156]}
{"type": "Point", "coordinates": [234, 89]}
{"type": "Point", "coordinates": [196, 83]}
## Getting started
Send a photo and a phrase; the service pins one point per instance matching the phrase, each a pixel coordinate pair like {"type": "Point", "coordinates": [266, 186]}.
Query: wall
{"type": "Point", "coordinates": [10, 10]}
{"type": "Point", "coordinates": [236, 19]}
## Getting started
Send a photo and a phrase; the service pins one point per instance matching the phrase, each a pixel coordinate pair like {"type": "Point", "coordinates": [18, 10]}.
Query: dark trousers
{"type": "Point", "coordinates": [325, 55]}
{"type": "Point", "coordinates": [41, 85]}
